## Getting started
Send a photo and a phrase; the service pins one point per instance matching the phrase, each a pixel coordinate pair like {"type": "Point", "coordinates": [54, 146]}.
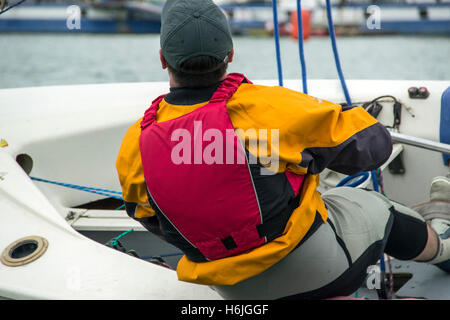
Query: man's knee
{"type": "Point", "coordinates": [408, 236]}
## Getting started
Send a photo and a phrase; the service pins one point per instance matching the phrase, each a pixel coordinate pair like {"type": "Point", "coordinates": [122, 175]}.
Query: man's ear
{"type": "Point", "coordinates": [230, 57]}
{"type": "Point", "coordinates": [163, 60]}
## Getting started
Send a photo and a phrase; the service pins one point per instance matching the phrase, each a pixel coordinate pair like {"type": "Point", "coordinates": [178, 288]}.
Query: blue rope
{"type": "Point", "coordinates": [277, 42]}
{"type": "Point", "coordinates": [373, 174]}
{"type": "Point", "coordinates": [336, 54]}
{"type": "Point", "coordinates": [364, 175]}
{"type": "Point", "coordinates": [300, 45]}
{"type": "Point", "coordinates": [106, 193]}
{"type": "Point", "coordinates": [103, 192]}
{"type": "Point", "coordinates": [12, 6]}
{"type": "Point", "coordinates": [382, 264]}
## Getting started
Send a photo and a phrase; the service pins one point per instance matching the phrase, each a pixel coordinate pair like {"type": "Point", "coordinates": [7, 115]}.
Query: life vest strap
{"type": "Point", "coordinates": [150, 113]}
{"type": "Point", "coordinates": [226, 89]}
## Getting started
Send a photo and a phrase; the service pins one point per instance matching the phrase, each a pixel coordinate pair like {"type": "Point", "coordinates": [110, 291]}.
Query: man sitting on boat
{"type": "Point", "coordinates": [227, 171]}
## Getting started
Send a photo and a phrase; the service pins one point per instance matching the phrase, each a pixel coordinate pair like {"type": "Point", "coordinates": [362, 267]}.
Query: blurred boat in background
{"type": "Point", "coordinates": [254, 18]}
{"type": "Point", "coordinates": [113, 16]}
{"type": "Point", "coordinates": [386, 17]}
{"type": "Point", "coordinates": [350, 17]}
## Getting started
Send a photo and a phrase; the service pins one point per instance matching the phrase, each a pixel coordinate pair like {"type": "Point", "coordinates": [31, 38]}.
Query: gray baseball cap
{"type": "Point", "coordinates": [192, 28]}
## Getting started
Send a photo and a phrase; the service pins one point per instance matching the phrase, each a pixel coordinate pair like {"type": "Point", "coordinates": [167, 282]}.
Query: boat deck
{"type": "Point", "coordinates": [426, 282]}
{"type": "Point", "coordinates": [416, 280]}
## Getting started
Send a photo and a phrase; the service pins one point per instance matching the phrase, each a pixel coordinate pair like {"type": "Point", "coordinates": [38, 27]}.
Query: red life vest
{"type": "Point", "coordinates": [212, 207]}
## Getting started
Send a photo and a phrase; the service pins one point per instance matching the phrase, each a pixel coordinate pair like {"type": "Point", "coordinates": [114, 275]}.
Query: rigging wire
{"type": "Point", "coordinates": [103, 192]}
{"type": "Point", "coordinates": [336, 54]}
{"type": "Point", "coordinates": [378, 187]}
{"type": "Point", "coordinates": [277, 42]}
{"type": "Point", "coordinates": [300, 46]}
{"type": "Point", "coordinates": [377, 183]}
{"type": "Point", "coordinates": [114, 243]}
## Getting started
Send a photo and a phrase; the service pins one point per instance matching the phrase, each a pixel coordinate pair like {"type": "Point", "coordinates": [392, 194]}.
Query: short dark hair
{"type": "Point", "coordinates": [197, 65]}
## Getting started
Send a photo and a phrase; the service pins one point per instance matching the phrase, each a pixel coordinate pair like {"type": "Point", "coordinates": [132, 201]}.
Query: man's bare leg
{"type": "Point", "coordinates": [431, 248]}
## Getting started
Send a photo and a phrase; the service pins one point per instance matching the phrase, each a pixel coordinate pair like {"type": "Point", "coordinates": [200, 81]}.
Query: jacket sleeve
{"type": "Point", "coordinates": [365, 150]}
{"type": "Point", "coordinates": [365, 146]}
{"type": "Point", "coordinates": [314, 134]}
{"type": "Point", "coordinates": [131, 176]}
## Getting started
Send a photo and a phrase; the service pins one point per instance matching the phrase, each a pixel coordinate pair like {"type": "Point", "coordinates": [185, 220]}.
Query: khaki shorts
{"type": "Point", "coordinates": [334, 259]}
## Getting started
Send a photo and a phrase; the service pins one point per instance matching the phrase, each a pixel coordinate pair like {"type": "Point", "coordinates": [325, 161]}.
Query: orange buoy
{"type": "Point", "coordinates": [306, 24]}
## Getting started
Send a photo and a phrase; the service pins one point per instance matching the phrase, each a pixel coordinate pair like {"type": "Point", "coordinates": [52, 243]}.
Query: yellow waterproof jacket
{"type": "Point", "coordinates": [313, 134]}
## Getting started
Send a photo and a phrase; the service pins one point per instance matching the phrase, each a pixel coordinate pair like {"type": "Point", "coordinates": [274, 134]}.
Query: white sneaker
{"type": "Point", "coordinates": [437, 212]}
{"type": "Point", "coordinates": [440, 189]}
{"type": "Point", "coordinates": [439, 205]}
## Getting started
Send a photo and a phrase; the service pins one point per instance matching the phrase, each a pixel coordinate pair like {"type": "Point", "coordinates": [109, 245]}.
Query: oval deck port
{"type": "Point", "coordinates": [24, 251]}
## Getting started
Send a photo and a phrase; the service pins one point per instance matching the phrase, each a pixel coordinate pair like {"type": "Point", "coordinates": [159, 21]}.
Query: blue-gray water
{"type": "Point", "coordinates": [58, 59]}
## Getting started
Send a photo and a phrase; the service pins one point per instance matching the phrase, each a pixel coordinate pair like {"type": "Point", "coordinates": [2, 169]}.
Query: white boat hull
{"type": "Point", "coordinates": [73, 134]}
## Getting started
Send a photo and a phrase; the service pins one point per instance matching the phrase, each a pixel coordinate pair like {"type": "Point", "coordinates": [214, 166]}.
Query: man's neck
{"type": "Point", "coordinates": [173, 84]}
{"type": "Point", "coordinates": [190, 96]}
